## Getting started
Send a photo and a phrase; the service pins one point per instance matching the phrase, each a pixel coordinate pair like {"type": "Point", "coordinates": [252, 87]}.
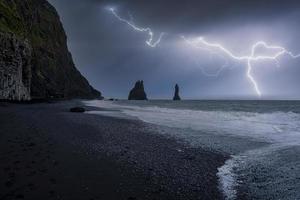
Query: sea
{"type": "Point", "coordinates": [261, 137]}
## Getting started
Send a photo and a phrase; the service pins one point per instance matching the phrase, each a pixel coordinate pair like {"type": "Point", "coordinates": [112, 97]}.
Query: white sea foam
{"type": "Point", "coordinates": [227, 178]}
{"type": "Point", "coordinates": [279, 128]}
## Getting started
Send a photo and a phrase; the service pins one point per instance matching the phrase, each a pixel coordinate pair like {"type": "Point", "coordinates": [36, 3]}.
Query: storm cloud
{"type": "Point", "coordinates": [113, 56]}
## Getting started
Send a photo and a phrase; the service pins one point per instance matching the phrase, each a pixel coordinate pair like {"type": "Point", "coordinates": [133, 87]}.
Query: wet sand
{"type": "Point", "coordinates": [46, 152]}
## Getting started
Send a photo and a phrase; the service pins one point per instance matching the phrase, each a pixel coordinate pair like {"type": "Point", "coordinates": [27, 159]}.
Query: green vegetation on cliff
{"type": "Point", "coordinates": [14, 20]}
{"type": "Point", "coordinates": [53, 72]}
{"type": "Point", "coordinates": [10, 20]}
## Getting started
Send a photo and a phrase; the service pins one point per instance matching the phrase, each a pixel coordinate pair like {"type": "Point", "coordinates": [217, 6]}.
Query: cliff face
{"type": "Point", "coordinates": [138, 92]}
{"type": "Point", "coordinates": [15, 68]}
{"type": "Point", "coordinates": [35, 25]}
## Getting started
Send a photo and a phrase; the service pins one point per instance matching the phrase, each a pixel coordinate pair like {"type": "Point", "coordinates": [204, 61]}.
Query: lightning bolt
{"type": "Point", "coordinates": [214, 47]}
{"type": "Point", "coordinates": [150, 42]}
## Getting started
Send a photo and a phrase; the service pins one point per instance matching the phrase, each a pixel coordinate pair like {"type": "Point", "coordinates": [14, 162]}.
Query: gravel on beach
{"type": "Point", "coordinates": [47, 152]}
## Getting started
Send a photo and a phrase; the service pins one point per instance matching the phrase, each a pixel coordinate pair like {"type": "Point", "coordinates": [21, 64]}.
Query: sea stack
{"type": "Point", "coordinates": [138, 92]}
{"type": "Point", "coordinates": [176, 95]}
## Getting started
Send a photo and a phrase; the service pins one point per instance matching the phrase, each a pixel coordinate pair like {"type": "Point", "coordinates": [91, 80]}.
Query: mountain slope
{"type": "Point", "coordinates": [35, 27]}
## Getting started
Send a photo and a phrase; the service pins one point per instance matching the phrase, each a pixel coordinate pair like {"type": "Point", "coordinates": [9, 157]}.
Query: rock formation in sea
{"type": "Point", "coordinates": [176, 95]}
{"type": "Point", "coordinates": [34, 59]}
{"type": "Point", "coordinates": [138, 92]}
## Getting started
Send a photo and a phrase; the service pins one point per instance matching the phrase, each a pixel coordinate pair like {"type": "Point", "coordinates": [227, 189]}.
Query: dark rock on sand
{"type": "Point", "coordinates": [77, 110]}
{"type": "Point", "coordinates": [34, 59]}
{"type": "Point", "coordinates": [176, 95]}
{"type": "Point", "coordinates": [138, 92]}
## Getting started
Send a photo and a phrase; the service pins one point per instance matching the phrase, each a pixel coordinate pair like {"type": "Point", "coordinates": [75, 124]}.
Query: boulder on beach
{"type": "Point", "coordinates": [138, 92]}
{"type": "Point", "coordinates": [176, 94]}
{"type": "Point", "coordinates": [77, 110]}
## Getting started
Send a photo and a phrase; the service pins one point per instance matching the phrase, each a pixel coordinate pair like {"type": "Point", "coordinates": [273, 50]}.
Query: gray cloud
{"type": "Point", "coordinates": [112, 56]}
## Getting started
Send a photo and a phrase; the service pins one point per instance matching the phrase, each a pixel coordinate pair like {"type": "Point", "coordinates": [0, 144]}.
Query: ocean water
{"type": "Point", "coordinates": [262, 137]}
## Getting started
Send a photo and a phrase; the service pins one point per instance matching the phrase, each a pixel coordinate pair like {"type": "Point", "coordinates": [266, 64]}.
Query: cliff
{"type": "Point", "coordinates": [176, 93]}
{"type": "Point", "coordinates": [34, 59]}
{"type": "Point", "coordinates": [138, 92]}
{"type": "Point", "coordinates": [15, 69]}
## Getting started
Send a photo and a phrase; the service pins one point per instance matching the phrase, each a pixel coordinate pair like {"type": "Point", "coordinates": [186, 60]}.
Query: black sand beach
{"type": "Point", "coordinates": [46, 152]}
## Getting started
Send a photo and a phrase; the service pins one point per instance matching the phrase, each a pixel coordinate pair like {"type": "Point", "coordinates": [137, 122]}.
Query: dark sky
{"type": "Point", "coordinates": [113, 56]}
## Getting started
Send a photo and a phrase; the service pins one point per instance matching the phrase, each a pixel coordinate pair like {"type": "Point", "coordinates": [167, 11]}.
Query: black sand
{"type": "Point", "coordinates": [46, 152]}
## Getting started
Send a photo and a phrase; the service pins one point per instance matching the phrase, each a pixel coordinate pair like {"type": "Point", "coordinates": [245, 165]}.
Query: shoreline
{"type": "Point", "coordinates": [101, 157]}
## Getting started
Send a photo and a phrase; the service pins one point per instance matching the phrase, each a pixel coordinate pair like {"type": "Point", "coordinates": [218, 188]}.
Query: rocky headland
{"type": "Point", "coordinates": [34, 59]}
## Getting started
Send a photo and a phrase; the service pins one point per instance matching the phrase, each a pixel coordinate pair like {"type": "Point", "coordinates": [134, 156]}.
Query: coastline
{"type": "Point", "coordinates": [50, 153]}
